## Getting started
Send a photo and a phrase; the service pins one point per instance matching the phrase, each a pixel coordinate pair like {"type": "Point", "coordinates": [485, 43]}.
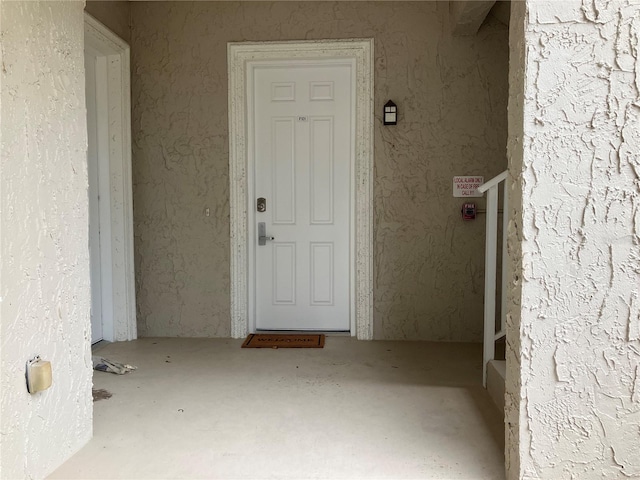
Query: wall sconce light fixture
{"type": "Point", "coordinates": [390, 113]}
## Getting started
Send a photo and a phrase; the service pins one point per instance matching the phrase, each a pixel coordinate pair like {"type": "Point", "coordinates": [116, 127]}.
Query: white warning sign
{"type": "Point", "coordinates": [467, 186]}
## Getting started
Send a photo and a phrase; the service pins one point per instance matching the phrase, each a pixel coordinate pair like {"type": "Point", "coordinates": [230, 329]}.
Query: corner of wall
{"type": "Point", "coordinates": [573, 373]}
{"type": "Point", "coordinates": [114, 14]}
{"type": "Point", "coordinates": [517, 70]}
{"type": "Point", "coordinates": [44, 261]}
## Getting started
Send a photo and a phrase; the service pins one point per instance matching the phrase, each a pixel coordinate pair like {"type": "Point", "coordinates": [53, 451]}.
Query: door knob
{"type": "Point", "coordinates": [262, 234]}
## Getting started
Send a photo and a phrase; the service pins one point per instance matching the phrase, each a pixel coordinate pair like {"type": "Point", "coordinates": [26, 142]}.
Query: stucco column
{"type": "Point", "coordinates": [45, 296]}
{"type": "Point", "coordinates": [573, 372]}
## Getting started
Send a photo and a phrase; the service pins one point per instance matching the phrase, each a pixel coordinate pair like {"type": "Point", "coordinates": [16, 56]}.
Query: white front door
{"type": "Point", "coordinates": [303, 152]}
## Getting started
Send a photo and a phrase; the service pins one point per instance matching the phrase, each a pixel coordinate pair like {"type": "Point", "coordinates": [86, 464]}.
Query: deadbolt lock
{"type": "Point", "coordinates": [261, 205]}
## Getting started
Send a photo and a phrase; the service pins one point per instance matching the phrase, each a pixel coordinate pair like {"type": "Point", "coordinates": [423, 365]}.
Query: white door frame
{"type": "Point", "coordinates": [240, 56]}
{"type": "Point", "coordinates": [115, 184]}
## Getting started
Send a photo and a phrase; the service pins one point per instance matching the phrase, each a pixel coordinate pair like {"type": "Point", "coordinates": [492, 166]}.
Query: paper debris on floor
{"type": "Point", "coordinates": [105, 365]}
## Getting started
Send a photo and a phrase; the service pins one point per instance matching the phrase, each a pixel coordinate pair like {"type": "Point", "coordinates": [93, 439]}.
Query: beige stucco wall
{"type": "Point", "coordinates": [517, 71]}
{"type": "Point", "coordinates": [44, 258]}
{"type": "Point", "coordinates": [573, 383]}
{"type": "Point", "coordinates": [451, 92]}
{"type": "Point", "coordinates": [114, 14]}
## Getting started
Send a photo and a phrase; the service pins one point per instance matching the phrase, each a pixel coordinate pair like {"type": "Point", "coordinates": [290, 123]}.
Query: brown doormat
{"type": "Point", "coordinates": [270, 340]}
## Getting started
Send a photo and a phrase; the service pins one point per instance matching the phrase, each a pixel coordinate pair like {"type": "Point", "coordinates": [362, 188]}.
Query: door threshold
{"type": "Point", "coordinates": [307, 332]}
{"type": "Point", "coordinates": [99, 345]}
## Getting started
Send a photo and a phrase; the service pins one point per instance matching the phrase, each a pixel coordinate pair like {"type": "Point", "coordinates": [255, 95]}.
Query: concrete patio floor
{"type": "Point", "coordinates": [205, 408]}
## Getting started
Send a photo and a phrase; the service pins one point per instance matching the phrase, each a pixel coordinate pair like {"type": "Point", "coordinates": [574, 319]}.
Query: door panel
{"type": "Point", "coordinates": [303, 153]}
{"type": "Point", "coordinates": [322, 273]}
{"type": "Point", "coordinates": [284, 177]}
{"type": "Point", "coordinates": [321, 170]}
{"type": "Point", "coordinates": [284, 273]}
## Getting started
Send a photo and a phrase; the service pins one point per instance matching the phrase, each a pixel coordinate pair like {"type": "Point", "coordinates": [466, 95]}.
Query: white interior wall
{"type": "Point", "coordinates": [44, 261]}
{"type": "Point", "coordinates": [573, 380]}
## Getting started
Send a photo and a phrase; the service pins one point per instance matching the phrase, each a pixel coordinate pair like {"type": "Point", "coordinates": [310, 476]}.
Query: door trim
{"type": "Point", "coordinates": [114, 159]}
{"type": "Point", "coordinates": [239, 56]}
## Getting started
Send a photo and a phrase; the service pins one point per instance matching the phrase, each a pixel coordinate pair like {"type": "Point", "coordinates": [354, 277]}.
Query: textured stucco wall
{"type": "Point", "coordinates": [113, 14]}
{"type": "Point", "coordinates": [452, 96]}
{"type": "Point", "coordinates": [574, 401]}
{"type": "Point", "coordinates": [514, 437]}
{"type": "Point", "coordinates": [44, 260]}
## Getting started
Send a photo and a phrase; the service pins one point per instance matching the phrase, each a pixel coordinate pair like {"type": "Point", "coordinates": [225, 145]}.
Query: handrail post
{"type": "Point", "coordinates": [491, 247]}
{"type": "Point", "coordinates": [505, 227]}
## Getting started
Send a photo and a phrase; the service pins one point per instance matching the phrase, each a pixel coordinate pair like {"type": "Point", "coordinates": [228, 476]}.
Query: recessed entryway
{"type": "Point", "coordinates": [108, 93]}
{"type": "Point", "coordinates": [318, 175]}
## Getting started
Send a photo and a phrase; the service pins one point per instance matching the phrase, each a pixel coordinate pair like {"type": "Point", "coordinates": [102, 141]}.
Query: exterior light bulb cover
{"type": "Point", "coordinates": [390, 116]}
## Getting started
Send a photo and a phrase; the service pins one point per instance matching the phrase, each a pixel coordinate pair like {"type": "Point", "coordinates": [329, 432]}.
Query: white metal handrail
{"type": "Point", "coordinates": [491, 268]}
